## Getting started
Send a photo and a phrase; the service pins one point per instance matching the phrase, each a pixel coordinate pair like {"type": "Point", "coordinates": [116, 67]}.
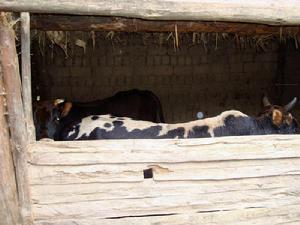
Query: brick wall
{"type": "Point", "coordinates": [291, 77]}
{"type": "Point", "coordinates": [193, 78]}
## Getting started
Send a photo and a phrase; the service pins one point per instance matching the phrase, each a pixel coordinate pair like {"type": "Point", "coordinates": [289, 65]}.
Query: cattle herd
{"type": "Point", "coordinates": [137, 114]}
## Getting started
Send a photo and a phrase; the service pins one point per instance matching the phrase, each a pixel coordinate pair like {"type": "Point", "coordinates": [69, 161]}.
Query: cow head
{"type": "Point", "coordinates": [47, 115]}
{"type": "Point", "coordinates": [280, 116]}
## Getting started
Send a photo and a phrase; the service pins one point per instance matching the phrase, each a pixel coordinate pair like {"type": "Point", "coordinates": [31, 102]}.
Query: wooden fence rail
{"type": "Point", "coordinates": [214, 181]}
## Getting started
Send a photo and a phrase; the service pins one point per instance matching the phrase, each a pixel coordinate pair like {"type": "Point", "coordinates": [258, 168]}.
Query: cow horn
{"type": "Point", "coordinates": [291, 105]}
{"type": "Point", "coordinates": [58, 101]}
{"type": "Point", "coordinates": [266, 101]}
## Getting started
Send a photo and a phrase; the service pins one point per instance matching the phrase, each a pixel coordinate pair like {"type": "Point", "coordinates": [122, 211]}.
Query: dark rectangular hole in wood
{"type": "Point", "coordinates": [148, 173]}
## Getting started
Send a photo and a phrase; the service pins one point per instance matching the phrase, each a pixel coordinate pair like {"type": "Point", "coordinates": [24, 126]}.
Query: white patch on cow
{"type": "Point", "coordinates": [212, 122]}
{"type": "Point", "coordinates": [72, 132]}
{"type": "Point", "coordinates": [87, 124]}
{"type": "Point", "coordinates": [131, 125]}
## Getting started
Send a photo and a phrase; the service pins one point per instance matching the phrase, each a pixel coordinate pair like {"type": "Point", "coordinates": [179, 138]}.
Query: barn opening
{"type": "Point", "coordinates": [222, 180]}
{"type": "Point", "coordinates": [209, 69]}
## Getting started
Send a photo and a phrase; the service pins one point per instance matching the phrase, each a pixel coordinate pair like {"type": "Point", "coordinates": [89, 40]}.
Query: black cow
{"type": "Point", "coordinates": [274, 120]}
{"type": "Point", "coordinates": [53, 116]}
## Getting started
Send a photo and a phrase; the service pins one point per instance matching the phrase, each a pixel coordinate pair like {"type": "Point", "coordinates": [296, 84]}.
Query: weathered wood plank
{"type": "Point", "coordinates": [12, 84]}
{"type": "Point", "coordinates": [88, 182]}
{"type": "Point", "coordinates": [26, 74]}
{"type": "Point", "coordinates": [151, 151]}
{"type": "Point", "coordinates": [225, 170]}
{"type": "Point", "coordinates": [85, 174]}
{"type": "Point", "coordinates": [256, 11]}
{"type": "Point", "coordinates": [9, 211]}
{"type": "Point", "coordinates": [176, 201]}
{"type": "Point", "coordinates": [172, 171]}
{"type": "Point", "coordinates": [119, 24]}
{"type": "Point", "coordinates": [150, 189]}
{"type": "Point", "coordinates": [258, 216]}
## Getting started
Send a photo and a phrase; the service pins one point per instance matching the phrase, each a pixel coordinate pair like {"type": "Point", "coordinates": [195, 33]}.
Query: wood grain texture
{"type": "Point", "coordinates": [192, 150]}
{"type": "Point", "coordinates": [12, 84]}
{"type": "Point", "coordinates": [229, 180]}
{"type": "Point", "coordinates": [9, 210]}
{"type": "Point", "coordinates": [258, 216]}
{"type": "Point", "coordinates": [278, 12]}
{"type": "Point", "coordinates": [26, 74]}
{"type": "Point", "coordinates": [119, 24]}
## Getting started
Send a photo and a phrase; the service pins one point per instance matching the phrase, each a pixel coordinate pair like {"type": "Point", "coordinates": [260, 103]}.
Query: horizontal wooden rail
{"type": "Point", "coordinates": [148, 151]}
{"type": "Point", "coordinates": [88, 23]}
{"type": "Point", "coordinates": [234, 180]}
{"type": "Point", "coordinates": [278, 12]}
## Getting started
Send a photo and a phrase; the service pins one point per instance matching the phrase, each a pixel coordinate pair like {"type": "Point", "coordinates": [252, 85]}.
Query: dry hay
{"type": "Point", "coordinates": [68, 40]}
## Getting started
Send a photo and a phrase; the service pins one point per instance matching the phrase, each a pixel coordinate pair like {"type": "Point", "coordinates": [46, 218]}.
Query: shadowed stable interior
{"type": "Point", "coordinates": [208, 72]}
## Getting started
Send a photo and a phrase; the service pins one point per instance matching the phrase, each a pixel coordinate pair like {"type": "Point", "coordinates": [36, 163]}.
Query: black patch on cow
{"type": "Point", "coordinates": [117, 123]}
{"type": "Point", "coordinates": [95, 117]}
{"type": "Point", "coordinates": [121, 132]}
{"type": "Point", "coordinates": [151, 132]}
{"type": "Point", "coordinates": [175, 133]}
{"type": "Point", "coordinates": [107, 125]}
{"type": "Point", "coordinates": [120, 118]}
{"type": "Point", "coordinates": [198, 132]}
{"type": "Point", "coordinates": [64, 130]}
{"type": "Point", "coordinates": [236, 126]}
{"type": "Point", "coordinates": [112, 117]}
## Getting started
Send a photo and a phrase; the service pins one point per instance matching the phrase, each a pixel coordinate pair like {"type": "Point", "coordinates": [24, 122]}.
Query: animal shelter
{"type": "Point", "coordinates": [196, 56]}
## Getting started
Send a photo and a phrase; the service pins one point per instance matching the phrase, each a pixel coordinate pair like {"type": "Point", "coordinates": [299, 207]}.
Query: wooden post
{"type": "Point", "coordinates": [9, 211]}
{"type": "Point", "coordinates": [26, 74]}
{"type": "Point", "coordinates": [12, 84]}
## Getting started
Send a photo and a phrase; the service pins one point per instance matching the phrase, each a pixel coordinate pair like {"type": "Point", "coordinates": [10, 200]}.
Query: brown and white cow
{"type": "Point", "coordinates": [274, 120]}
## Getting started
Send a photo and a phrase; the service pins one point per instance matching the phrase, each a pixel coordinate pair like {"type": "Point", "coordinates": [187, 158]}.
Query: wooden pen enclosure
{"type": "Point", "coordinates": [193, 64]}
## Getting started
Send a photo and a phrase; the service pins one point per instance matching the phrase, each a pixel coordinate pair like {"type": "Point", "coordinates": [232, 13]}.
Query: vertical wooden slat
{"type": "Point", "coordinates": [12, 84]}
{"type": "Point", "coordinates": [26, 74]}
{"type": "Point", "coordinates": [9, 212]}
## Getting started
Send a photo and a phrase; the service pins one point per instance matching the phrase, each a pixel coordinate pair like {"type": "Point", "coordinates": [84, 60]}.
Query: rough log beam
{"type": "Point", "coordinates": [26, 74]}
{"type": "Point", "coordinates": [12, 84]}
{"type": "Point", "coordinates": [88, 23]}
{"type": "Point", "coordinates": [9, 213]}
{"type": "Point", "coordinates": [278, 12]}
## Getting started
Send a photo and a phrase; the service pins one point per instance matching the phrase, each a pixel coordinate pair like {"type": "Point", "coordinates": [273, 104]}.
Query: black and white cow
{"type": "Point", "coordinates": [274, 120]}
{"type": "Point", "coordinates": [50, 117]}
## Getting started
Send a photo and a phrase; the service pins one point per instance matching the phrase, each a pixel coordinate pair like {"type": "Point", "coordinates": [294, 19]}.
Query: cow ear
{"type": "Point", "coordinates": [277, 117]}
{"type": "Point", "coordinates": [66, 109]}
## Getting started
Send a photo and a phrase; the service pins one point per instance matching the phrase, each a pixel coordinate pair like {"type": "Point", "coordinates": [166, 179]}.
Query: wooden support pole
{"type": "Point", "coordinates": [88, 23]}
{"type": "Point", "coordinates": [9, 211]}
{"type": "Point", "coordinates": [278, 12]}
{"type": "Point", "coordinates": [26, 74]}
{"type": "Point", "coordinates": [12, 84]}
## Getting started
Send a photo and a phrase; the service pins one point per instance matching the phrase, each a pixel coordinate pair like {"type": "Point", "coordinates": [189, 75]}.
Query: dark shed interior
{"type": "Point", "coordinates": [189, 72]}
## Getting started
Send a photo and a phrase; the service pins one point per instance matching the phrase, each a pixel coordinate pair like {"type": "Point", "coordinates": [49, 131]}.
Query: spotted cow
{"type": "Point", "coordinates": [51, 117]}
{"type": "Point", "coordinates": [274, 120]}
